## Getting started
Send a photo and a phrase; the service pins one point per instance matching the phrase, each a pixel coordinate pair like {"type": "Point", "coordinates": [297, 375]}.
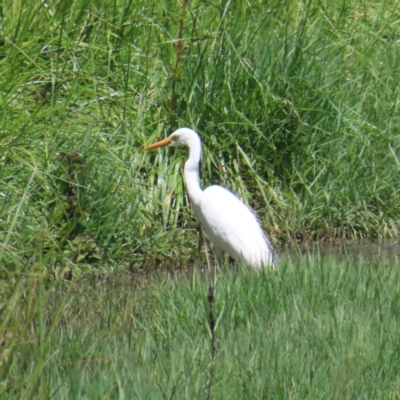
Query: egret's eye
{"type": "Point", "coordinates": [174, 138]}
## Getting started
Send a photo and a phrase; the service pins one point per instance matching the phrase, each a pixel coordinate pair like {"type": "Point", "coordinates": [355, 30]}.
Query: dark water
{"type": "Point", "coordinates": [378, 251]}
{"type": "Point", "coordinates": [344, 250]}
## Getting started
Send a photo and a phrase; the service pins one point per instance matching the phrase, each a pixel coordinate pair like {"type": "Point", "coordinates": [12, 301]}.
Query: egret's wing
{"type": "Point", "coordinates": [231, 226]}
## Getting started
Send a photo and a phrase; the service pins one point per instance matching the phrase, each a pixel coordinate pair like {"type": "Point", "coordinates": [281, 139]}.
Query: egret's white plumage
{"type": "Point", "coordinates": [228, 222]}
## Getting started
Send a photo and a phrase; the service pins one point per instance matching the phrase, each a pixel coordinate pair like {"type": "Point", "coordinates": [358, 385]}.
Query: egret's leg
{"type": "Point", "coordinates": [219, 254]}
{"type": "Point", "coordinates": [206, 252]}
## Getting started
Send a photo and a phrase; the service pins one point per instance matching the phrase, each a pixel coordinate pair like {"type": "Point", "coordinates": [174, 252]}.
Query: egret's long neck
{"type": "Point", "coordinates": [192, 173]}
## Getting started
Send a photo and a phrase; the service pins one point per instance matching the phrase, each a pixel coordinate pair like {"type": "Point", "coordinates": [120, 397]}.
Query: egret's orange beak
{"type": "Point", "coordinates": [161, 143]}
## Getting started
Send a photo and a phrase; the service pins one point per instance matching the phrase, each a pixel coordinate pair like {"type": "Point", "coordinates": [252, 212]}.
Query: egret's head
{"type": "Point", "coordinates": [181, 137]}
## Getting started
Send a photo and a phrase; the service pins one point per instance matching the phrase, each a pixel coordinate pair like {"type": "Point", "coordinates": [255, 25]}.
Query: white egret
{"type": "Point", "coordinates": [228, 222]}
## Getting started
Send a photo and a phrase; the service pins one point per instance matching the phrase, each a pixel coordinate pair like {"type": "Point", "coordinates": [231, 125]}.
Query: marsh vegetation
{"type": "Point", "coordinates": [297, 105]}
{"type": "Point", "coordinates": [319, 328]}
{"type": "Point", "coordinates": [296, 102]}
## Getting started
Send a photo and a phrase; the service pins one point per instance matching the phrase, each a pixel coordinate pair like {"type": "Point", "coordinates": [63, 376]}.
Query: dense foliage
{"type": "Point", "coordinates": [296, 102]}
{"type": "Point", "coordinates": [314, 329]}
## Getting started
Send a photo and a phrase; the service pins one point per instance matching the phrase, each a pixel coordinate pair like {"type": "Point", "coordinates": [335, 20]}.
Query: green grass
{"type": "Point", "coordinates": [296, 102]}
{"type": "Point", "coordinates": [316, 328]}
{"type": "Point", "coordinates": [297, 106]}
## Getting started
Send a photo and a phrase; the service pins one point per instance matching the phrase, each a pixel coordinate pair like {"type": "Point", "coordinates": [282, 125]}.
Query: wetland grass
{"type": "Point", "coordinates": [297, 105]}
{"type": "Point", "coordinates": [296, 102]}
{"type": "Point", "coordinates": [319, 328]}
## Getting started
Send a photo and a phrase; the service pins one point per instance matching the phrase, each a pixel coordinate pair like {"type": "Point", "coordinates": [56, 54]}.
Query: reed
{"type": "Point", "coordinates": [318, 327]}
{"type": "Point", "coordinates": [296, 103]}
